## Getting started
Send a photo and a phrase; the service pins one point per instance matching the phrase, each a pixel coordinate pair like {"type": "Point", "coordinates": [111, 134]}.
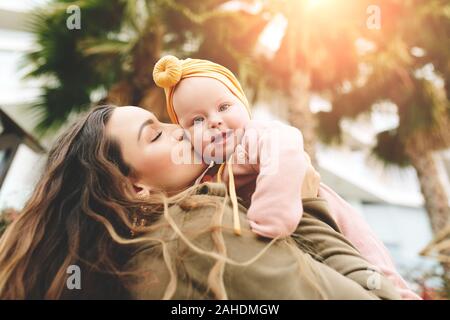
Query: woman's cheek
{"type": "Point", "coordinates": [162, 162]}
{"type": "Point", "coordinates": [151, 161]}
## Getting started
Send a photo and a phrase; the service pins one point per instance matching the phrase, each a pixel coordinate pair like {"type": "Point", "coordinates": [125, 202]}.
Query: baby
{"type": "Point", "coordinates": [266, 162]}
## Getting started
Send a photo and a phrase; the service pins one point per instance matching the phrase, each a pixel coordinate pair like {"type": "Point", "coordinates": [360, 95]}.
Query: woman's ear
{"type": "Point", "coordinates": [142, 191]}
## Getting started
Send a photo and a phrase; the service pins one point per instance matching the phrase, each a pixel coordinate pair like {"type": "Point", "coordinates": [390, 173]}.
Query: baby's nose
{"type": "Point", "coordinates": [215, 123]}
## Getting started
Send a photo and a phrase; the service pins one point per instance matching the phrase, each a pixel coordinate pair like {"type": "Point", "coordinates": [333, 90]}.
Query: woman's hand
{"type": "Point", "coordinates": [310, 186]}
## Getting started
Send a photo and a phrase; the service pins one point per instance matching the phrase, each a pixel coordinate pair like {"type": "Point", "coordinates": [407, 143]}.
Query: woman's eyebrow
{"type": "Point", "coordinates": [145, 123]}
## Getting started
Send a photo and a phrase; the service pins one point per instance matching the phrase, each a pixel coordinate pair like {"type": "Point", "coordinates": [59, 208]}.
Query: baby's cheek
{"type": "Point", "coordinates": [237, 121]}
{"type": "Point", "coordinates": [199, 139]}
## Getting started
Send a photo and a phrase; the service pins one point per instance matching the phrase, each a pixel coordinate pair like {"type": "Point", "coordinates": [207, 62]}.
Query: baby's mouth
{"type": "Point", "coordinates": [221, 137]}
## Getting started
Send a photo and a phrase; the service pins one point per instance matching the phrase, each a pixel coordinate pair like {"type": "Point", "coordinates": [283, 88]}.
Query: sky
{"type": "Point", "coordinates": [22, 5]}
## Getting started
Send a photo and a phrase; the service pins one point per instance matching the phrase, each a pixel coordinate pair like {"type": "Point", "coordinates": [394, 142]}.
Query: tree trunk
{"type": "Point", "coordinates": [435, 196]}
{"type": "Point", "coordinates": [300, 116]}
{"type": "Point", "coordinates": [419, 150]}
{"type": "Point", "coordinates": [154, 100]}
{"type": "Point", "coordinates": [145, 57]}
{"type": "Point", "coordinates": [120, 94]}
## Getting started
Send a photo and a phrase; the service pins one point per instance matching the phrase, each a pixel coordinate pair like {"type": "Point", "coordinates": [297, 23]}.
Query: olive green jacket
{"type": "Point", "coordinates": [282, 271]}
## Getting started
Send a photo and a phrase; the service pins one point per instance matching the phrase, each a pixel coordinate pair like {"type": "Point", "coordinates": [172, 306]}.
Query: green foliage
{"type": "Point", "coordinates": [414, 34]}
{"type": "Point", "coordinates": [120, 41]}
{"type": "Point", "coordinates": [70, 76]}
{"type": "Point", "coordinates": [391, 149]}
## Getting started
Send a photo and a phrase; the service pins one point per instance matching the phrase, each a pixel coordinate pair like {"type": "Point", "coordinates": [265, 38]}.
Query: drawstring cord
{"type": "Point", "coordinates": [199, 179]}
{"type": "Point", "coordinates": [233, 197]}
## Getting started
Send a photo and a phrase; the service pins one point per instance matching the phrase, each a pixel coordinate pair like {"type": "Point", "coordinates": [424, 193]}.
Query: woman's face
{"type": "Point", "coordinates": [159, 156]}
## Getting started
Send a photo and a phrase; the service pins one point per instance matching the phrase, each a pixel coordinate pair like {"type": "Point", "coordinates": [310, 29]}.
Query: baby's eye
{"type": "Point", "coordinates": [224, 107]}
{"type": "Point", "coordinates": [198, 119]}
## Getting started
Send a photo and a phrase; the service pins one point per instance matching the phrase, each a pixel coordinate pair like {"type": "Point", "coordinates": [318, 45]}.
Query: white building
{"type": "Point", "coordinates": [15, 96]}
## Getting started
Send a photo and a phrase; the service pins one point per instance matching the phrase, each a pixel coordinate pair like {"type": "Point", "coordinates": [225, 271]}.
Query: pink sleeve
{"type": "Point", "coordinates": [359, 233]}
{"type": "Point", "coordinates": [276, 204]}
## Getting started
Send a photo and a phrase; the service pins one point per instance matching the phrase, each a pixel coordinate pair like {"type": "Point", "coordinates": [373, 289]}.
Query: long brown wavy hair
{"type": "Point", "coordinates": [82, 195]}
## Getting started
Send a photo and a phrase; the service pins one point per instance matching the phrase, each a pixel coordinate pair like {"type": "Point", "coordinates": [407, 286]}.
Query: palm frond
{"type": "Point", "coordinates": [390, 149]}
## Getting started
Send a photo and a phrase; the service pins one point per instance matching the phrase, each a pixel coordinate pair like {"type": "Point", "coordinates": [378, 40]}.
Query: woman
{"type": "Point", "coordinates": [99, 205]}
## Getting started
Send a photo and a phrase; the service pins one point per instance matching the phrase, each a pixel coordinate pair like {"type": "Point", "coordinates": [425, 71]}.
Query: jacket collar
{"type": "Point", "coordinates": [212, 189]}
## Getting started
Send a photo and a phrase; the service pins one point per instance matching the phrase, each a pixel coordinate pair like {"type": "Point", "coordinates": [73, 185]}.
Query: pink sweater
{"type": "Point", "coordinates": [269, 167]}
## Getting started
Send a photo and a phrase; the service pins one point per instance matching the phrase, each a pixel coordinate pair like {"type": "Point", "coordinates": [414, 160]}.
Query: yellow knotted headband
{"type": "Point", "coordinates": [170, 70]}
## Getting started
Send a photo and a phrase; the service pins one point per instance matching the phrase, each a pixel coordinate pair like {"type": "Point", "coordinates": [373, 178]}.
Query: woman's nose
{"type": "Point", "coordinates": [182, 134]}
{"type": "Point", "coordinates": [175, 131]}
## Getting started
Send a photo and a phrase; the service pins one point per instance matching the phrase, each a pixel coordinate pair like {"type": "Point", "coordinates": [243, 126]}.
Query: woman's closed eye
{"type": "Point", "coordinates": [156, 136]}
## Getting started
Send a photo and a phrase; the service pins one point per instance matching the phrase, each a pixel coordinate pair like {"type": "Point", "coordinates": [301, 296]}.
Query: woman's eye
{"type": "Point", "coordinates": [224, 107]}
{"type": "Point", "coordinates": [157, 136]}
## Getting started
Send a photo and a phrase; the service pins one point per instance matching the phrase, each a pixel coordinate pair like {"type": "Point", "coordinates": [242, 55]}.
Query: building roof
{"type": "Point", "coordinates": [10, 126]}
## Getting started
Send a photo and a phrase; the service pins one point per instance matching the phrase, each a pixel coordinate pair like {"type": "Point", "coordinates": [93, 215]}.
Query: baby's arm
{"type": "Point", "coordinates": [276, 205]}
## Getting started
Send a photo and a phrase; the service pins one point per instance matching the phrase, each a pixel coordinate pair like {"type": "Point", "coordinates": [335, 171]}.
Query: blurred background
{"type": "Point", "coordinates": [367, 82]}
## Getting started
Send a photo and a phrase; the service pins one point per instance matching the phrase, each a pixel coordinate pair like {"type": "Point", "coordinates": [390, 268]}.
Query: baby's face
{"type": "Point", "coordinates": [213, 115]}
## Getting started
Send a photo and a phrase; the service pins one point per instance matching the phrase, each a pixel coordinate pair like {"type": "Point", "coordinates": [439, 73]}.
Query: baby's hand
{"type": "Point", "coordinates": [310, 186]}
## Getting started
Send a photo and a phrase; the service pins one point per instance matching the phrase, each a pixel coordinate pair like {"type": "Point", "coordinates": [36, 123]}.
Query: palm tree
{"type": "Point", "coordinates": [69, 77]}
{"type": "Point", "coordinates": [416, 38]}
{"type": "Point", "coordinates": [111, 57]}
{"type": "Point", "coordinates": [317, 53]}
